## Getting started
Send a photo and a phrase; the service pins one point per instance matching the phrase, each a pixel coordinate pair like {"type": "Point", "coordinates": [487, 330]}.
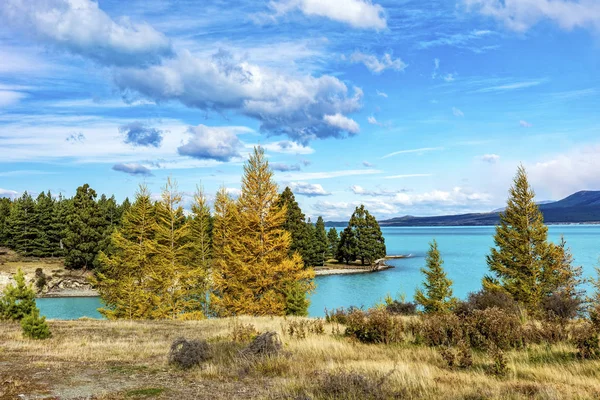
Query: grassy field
{"type": "Point", "coordinates": [125, 360]}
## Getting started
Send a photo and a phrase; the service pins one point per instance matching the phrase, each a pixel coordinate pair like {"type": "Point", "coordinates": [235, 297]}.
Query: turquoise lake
{"type": "Point", "coordinates": [463, 250]}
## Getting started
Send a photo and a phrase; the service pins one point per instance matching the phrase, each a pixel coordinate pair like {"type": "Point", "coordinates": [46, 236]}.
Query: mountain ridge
{"type": "Point", "coordinates": [580, 207]}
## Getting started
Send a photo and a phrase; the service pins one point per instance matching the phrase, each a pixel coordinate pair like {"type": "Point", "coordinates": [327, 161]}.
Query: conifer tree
{"type": "Point", "coordinates": [201, 246]}
{"type": "Point", "coordinates": [83, 231]}
{"type": "Point", "coordinates": [259, 270]}
{"type": "Point", "coordinates": [5, 206]}
{"type": "Point", "coordinates": [62, 209]}
{"type": "Point", "coordinates": [296, 225]}
{"type": "Point", "coordinates": [311, 246]}
{"type": "Point", "coordinates": [523, 263]}
{"type": "Point", "coordinates": [437, 297]}
{"type": "Point", "coordinates": [18, 300]}
{"type": "Point", "coordinates": [333, 240]}
{"type": "Point", "coordinates": [125, 279]}
{"type": "Point", "coordinates": [347, 246]}
{"type": "Point", "coordinates": [178, 288]}
{"type": "Point", "coordinates": [44, 210]}
{"type": "Point", "coordinates": [225, 229]}
{"type": "Point", "coordinates": [370, 241]}
{"type": "Point", "coordinates": [21, 229]}
{"type": "Point", "coordinates": [320, 246]}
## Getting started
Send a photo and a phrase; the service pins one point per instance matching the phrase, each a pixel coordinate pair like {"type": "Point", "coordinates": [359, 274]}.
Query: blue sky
{"type": "Point", "coordinates": [410, 107]}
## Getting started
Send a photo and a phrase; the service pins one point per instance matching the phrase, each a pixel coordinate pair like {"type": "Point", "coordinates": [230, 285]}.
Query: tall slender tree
{"type": "Point", "coordinates": [125, 279]}
{"type": "Point", "coordinates": [21, 225]}
{"type": "Point", "coordinates": [260, 272]}
{"type": "Point", "coordinates": [437, 294]}
{"type": "Point", "coordinates": [84, 229]}
{"type": "Point", "coordinates": [296, 225]}
{"type": "Point", "coordinates": [333, 240]}
{"type": "Point", "coordinates": [523, 263]}
{"type": "Point", "coordinates": [201, 246]}
{"type": "Point", "coordinates": [320, 246]}
{"type": "Point", "coordinates": [44, 210]}
{"type": "Point", "coordinates": [5, 206]}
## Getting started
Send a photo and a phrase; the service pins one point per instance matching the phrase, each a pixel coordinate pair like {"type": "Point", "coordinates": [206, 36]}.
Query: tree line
{"type": "Point", "coordinates": [153, 259]}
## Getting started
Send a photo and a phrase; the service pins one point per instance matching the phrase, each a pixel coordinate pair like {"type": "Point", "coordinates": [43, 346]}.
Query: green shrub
{"type": "Point", "coordinates": [17, 301]}
{"type": "Point", "coordinates": [34, 326]}
{"type": "Point", "coordinates": [374, 326]}
{"type": "Point", "coordinates": [40, 279]}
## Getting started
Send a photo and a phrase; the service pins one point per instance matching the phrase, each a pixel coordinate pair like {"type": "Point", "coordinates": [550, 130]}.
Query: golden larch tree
{"type": "Point", "coordinates": [258, 271]}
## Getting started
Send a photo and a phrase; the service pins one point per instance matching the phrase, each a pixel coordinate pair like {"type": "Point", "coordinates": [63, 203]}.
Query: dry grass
{"type": "Point", "coordinates": [119, 359]}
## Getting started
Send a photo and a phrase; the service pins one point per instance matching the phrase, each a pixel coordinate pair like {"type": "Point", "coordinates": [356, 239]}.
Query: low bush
{"type": "Point", "coordinates": [34, 326]}
{"type": "Point", "coordinates": [265, 344]}
{"type": "Point", "coordinates": [401, 308]}
{"type": "Point", "coordinates": [301, 328]}
{"type": "Point", "coordinates": [442, 330]}
{"type": "Point", "coordinates": [585, 338]}
{"type": "Point", "coordinates": [339, 315]}
{"type": "Point", "coordinates": [499, 365]}
{"type": "Point", "coordinates": [374, 326]}
{"type": "Point", "coordinates": [353, 385]}
{"type": "Point", "coordinates": [493, 326]}
{"type": "Point", "coordinates": [243, 333]}
{"type": "Point", "coordinates": [189, 353]}
{"type": "Point", "coordinates": [560, 306]}
{"type": "Point", "coordinates": [40, 279]}
{"type": "Point", "coordinates": [485, 299]}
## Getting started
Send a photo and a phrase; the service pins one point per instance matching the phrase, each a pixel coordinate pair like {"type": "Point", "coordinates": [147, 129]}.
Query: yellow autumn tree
{"type": "Point", "coordinates": [256, 274]}
{"type": "Point", "coordinates": [124, 279]}
{"type": "Point", "coordinates": [177, 283]}
{"type": "Point", "coordinates": [200, 245]}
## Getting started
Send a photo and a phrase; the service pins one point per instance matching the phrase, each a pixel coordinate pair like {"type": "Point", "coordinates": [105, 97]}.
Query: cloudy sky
{"type": "Point", "coordinates": [416, 107]}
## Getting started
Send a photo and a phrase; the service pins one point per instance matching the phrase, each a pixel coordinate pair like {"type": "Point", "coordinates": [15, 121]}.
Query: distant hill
{"type": "Point", "coordinates": [580, 207]}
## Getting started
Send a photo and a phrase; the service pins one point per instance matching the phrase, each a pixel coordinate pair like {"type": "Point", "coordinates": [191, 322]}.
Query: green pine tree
{"type": "Point", "coordinates": [296, 302]}
{"type": "Point", "coordinates": [84, 230]}
{"type": "Point", "coordinates": [63, 208]}
{"type": "Point", "coordinates": [437, 297]}
{"type": "Point", "coordinates": [333, 240]}
{"type": "Point", "coordinates": [44, 210]}
{"type": "Point", "coordinates": [523, 263]}
{"type": "Point", "coordinates": [296, 225]}
{"type": "Point", "coordinates": [125, 279]}
{"type": "Point", "coordinates": [347, 247]}
{"type": "Point", "coordinates": [21, 225]}
{"type": "Point", "coordinates": [5, 206]}
{"type": "Point", "coordinates": [17, 300]}
{"type": "Point", "coordinates": [320, 244]}
{"type": "Point", "coordinates": [34, 326]}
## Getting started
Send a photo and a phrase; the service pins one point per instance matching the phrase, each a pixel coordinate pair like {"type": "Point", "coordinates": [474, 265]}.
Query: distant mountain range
{"type": "Point", "coordinates": [580, 207]}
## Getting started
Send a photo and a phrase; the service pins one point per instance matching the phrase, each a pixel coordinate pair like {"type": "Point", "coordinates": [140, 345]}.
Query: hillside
{"type": "Point", "coordinates": [580, 207]}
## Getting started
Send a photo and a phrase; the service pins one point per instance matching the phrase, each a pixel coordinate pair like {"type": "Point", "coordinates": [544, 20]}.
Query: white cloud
{"type": "Point", "coordinates": [520, 15]}
{"type": "Point", "coordinates": [377, 65]}
{"type": "Point", "coordinates": [212, 143]}
{"type": "Point", "coordinates": [449, 78]}
{"type": "Point", "coordinates": [509, 86]}
{"type": "Point", "coordinates": [457, 112]}
{"type": "Point", "coordinates": [288, 147]}
{"type": "Point", "coordinates": [564, 174]}
{"type": "Point", "coordinates": [525, 124]}
{"type": "Point", "coordinates": [490, 158]}
{"type": "Point", "coordinates": [11, 194]}
{"type": "Point", "coordinates": [133, 169]}
{"type": "Point", "coordinates": [418, 151]}
{"type": "Point", "coordinates": [342, 122]}
{"type": "Point", "coordinates": [356, 189]}
{"type": "Point", "coordinates": [283, 167]}
{"type": "Point", "coordinates": [10, 97]}
{"type": "Point", "coordinates": [306, 176]}
{"type": "Point", "coordinates": [294, 106]}
{"type": "Point", "coordinates": [357, 13]}
{"type": "Point", "coordinates": [406, 176]}
{"type": "Point", "coordinates": [436, 68]}
{"type": "Point", "coordinates": [82, 28]}
{"type": "Point", "coordinates": [373, 121]}
{"type": "Point", "coordinates": [382, 94]}
{"type": "Point", "coordinates": [308, 189]}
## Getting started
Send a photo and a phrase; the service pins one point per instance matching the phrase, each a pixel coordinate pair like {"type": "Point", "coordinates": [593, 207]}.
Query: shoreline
{"type": "Point", "coordinates": [69, 293]}
{"type": "Point", "coordinates": [348, 270]}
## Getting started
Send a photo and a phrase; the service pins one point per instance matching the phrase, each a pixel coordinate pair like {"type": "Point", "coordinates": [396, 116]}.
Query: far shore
{"type": "Point", "coordinates": [70, 293]}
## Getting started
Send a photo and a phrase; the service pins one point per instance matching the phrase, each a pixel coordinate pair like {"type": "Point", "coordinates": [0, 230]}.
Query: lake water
{"type": "Point", "coordinates": [463, 250]}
